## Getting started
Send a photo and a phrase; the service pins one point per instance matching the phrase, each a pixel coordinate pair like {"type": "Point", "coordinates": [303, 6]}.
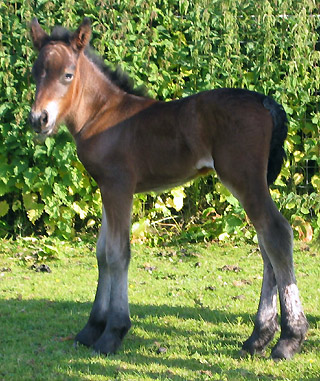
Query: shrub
{"type": "Point", "coordinates": [175, 48]}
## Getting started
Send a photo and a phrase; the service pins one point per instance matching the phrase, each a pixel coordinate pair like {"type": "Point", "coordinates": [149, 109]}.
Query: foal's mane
{"type": "Point", "coordinates": [118, 77]}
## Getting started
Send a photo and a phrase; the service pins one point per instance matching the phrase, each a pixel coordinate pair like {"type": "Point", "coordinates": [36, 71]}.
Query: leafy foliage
{"type": "Point", "coordinates": [175, 48]}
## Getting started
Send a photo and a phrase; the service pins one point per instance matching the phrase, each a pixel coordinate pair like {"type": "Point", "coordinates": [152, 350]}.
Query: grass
{"type": "Point", "coordinates": [191, 308]}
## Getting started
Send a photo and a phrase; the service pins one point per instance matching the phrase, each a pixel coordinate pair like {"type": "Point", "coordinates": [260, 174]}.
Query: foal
{"type": "Point", "coordinates": [131, 144]}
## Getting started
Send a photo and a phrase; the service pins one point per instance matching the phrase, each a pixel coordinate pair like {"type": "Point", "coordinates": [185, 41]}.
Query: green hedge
{"type": "Point", "coordinates": [175, 48]}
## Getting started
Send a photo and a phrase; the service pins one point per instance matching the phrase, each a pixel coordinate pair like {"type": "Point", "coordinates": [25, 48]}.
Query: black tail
{"type": "Point", "coordinates": [279, 134]}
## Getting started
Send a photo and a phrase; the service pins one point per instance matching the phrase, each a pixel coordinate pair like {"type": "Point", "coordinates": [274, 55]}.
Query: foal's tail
{"type": "Point", "coordinates": [279, 133]}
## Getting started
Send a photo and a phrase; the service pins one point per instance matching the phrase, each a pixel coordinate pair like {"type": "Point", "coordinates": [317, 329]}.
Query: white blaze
{"type": "Point", "coordinates": [52, 109]}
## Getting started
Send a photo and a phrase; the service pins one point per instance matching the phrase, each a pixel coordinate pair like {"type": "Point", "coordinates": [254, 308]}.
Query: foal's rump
{"type": "Point", "coordinates": [247, 127]}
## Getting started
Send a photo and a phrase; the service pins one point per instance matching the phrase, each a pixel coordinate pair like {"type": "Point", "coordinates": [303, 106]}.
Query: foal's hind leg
{"type": "Point", "coordinates": [248, 184]}
{"type": "Point", "coordinates": [266, 322]}
{"type": "Point", "coordinates": [275, 236]}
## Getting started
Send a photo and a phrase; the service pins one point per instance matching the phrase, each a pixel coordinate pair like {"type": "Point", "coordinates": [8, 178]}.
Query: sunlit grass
{"type": "Point", "coordinates": [191, 308]}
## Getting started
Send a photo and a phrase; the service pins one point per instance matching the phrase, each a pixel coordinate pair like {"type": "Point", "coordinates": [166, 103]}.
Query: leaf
{"type": "Point", "coordinates": [161, 207]}
{"type": "Point", "coordinates": [35, 214]}
{"type": "Point", "coordinates": [49, 143]}
{"type": "Point", "coordinates": [298, 156]}
{"type": "Point", "coordinates": [30, 200]}
{"type": "Point", "coordinates": [81, 210]}
{"type": "Point", "coordinates": [4, 208]}
{"type": "Point", "coordinates": [33, 208]}
{"type": "Point", "coordinates": [91, 222]}
{"type": "Point", "coordinates": [303, 228]}
{"type": "Point", "coordinates": [223, 192]}
{"type": "Point", "coordinates": [298, 178]}
{"type": "Point", "coordinates": [140, 228]}
{"type": "Point", "coordinates": [50, 250]}
{"type": "Point", "coordinates": [233, 222]}
{"type": "Point", "coordinates": [16, 205]}
{"type": "Point", "coordinates": [291, 205]}
{"type": "Point", "coordinates": [223, 236]}
{"type": "Point", "coordinates": [177, 201]}
{"type": "Point", "coordinates": [315, 181]}
{"type": "Point", "coordinates": [232, 200]}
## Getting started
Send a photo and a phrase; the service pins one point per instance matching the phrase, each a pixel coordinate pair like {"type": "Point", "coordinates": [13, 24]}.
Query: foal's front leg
{"type": "Point", "coordinates": [109, 320]}
{"type": "Point", "coordinates": [98, 317]}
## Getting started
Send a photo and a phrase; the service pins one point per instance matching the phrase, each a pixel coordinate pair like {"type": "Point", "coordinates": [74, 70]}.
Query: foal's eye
{"type": "Point", "coordinates": [68, 77]}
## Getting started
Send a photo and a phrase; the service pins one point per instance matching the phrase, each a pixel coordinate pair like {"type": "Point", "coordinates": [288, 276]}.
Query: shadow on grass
{"type": "Point", "coordinates": [36, 338]}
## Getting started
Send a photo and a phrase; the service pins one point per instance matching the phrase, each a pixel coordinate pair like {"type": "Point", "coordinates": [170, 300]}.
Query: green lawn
{"type": "Point", "coordinates": [189, 313]}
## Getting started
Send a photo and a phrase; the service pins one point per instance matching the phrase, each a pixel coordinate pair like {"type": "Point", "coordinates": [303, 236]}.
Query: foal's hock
{"type": "Point", "coordinates": [130, 143]}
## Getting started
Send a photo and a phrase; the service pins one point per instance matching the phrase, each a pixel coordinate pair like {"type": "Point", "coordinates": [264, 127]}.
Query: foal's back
{"type": "Point", "coordinates": [169, 143]}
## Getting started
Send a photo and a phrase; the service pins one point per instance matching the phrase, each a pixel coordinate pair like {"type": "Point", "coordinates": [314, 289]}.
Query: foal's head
{"type": "Point", "coordinates": [55, 72]}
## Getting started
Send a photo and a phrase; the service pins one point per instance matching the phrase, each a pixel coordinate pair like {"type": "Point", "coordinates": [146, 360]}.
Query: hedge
{"type": "Point", "coordinates": [174, 48]}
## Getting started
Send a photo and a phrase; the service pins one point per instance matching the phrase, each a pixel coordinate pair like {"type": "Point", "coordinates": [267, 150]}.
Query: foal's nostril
{"type": "Point", "coordinates": [44, 118]}
{"type": "Point", "coordinates": [34, 121]}
{"type": "Point", "coordinates": [38, 121]}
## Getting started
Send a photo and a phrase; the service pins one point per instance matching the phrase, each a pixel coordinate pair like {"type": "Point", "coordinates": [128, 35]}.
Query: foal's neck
{"type": "Point", "coordinates": [98, 103]}
{"type": "Point", "coordinates": [93, 95]}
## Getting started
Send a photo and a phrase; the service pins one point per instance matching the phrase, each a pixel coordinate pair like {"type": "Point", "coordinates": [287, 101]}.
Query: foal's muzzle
{"type": "Point", "coordinates": [39, 121]}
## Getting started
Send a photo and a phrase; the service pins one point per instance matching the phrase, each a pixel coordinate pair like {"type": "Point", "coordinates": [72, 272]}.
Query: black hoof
{"type": "Point", "coordinates": [259, 340]}
{"type": "Point", "coordinates": [110, 341]}
{"type": "Point", "coordinates": [107, 344]}
{"type": "Point", "coordinates": [89, 334]}
{"type": "Point", "coordinates": [290, 342]}
{"type": "Point", "coordinates": [252, 348]}
{"type": "Point", "coordinates": [285, 349]}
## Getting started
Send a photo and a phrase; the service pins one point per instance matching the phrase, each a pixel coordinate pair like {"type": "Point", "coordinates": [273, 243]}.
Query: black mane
{"type": "Point", "coordinates": [117, 76]}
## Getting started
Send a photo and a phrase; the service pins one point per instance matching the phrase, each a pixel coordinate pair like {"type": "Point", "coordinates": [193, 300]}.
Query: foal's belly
{"type": "Point", "coordinates": [158, 182]}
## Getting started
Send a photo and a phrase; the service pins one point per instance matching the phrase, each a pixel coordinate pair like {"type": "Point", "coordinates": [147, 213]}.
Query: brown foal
{"type": "Point", "coordinates": [131, 143]}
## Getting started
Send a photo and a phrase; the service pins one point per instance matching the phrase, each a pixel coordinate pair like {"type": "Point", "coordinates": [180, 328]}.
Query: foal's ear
{"type": "Point", "coordinates": [82, 35]}
{"type": "Point", "coordinates": [38, 35]}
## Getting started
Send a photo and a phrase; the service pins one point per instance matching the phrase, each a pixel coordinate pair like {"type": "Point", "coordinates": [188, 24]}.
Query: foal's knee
{"type": "Point", "coordinates": [101, 251]}
{"type": "Point", "coordinates": [113, 253]}
{"type": "Point", "coordinates": [117, 254]}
